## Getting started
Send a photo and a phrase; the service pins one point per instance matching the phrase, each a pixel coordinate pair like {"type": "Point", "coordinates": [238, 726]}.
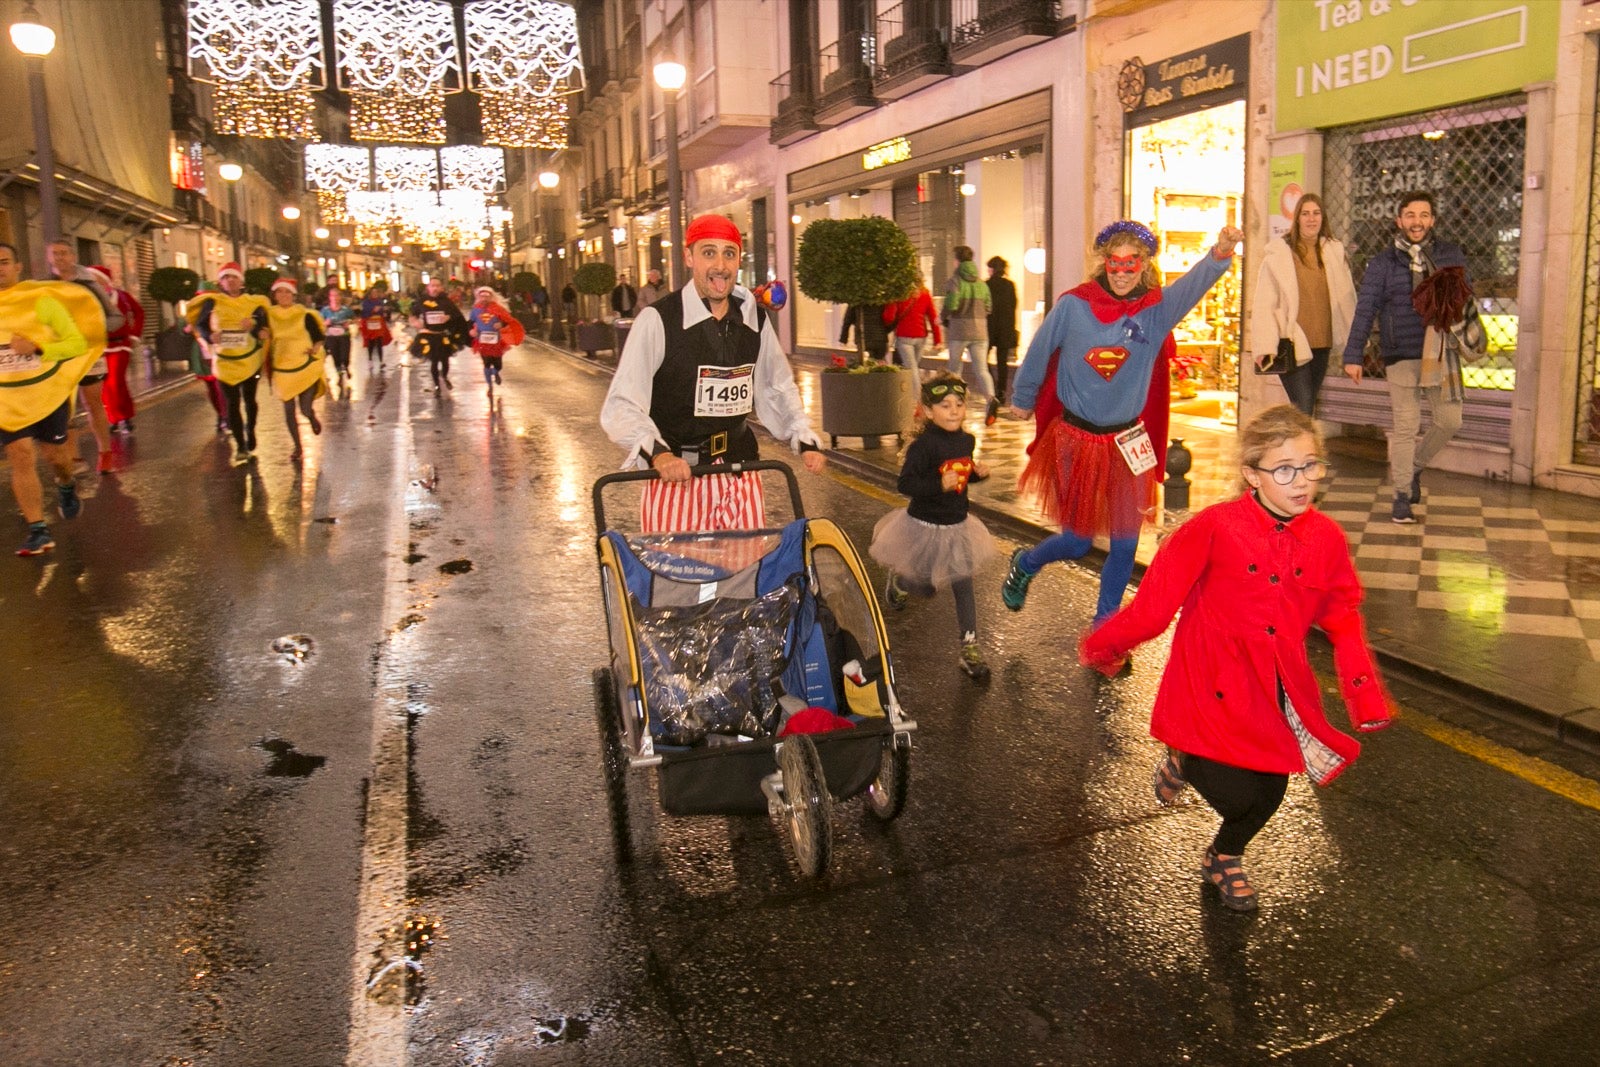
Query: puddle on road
{"type": "Point", "coordinates": [286, 762]}
{"type": "Point", "coordinates": [407, 622]}
{"type": "Point", "coordinates": [456, 566]}
{"type": "Point", "coordinates": [412, 556]}
{"type": "Point", "coordinates": [562, 1029]}
{"type": "Point", "coordinates": [296, 648]}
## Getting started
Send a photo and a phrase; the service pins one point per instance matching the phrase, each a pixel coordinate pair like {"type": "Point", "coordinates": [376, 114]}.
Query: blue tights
{"type": "Point", "coordinates": [1114, 576]}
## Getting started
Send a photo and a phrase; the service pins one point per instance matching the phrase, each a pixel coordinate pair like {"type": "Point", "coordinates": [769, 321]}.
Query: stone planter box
{"type": "Point", "coordinates": [868, 406]}
{"type": "Point", "coordinates": [594, 337]}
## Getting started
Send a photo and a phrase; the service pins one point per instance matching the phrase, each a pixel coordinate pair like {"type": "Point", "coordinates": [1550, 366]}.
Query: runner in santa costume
{"type": "Point", "coordinates": [697, 364]}
{"type": "Point", "coordinates": [232, 328]}
{"type": "Point", "coordinates": [114, 394]}
{"type": "Point", "coordinates": [1095, 469]}
{"type": "Point", "coordinates": [296, 368]}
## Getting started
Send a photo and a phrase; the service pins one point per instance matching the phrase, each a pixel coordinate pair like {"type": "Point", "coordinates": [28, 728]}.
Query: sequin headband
{"type": "Point", "coordinates": [1127, 228]}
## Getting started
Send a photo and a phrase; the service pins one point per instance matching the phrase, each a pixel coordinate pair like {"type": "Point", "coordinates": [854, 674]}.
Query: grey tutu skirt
{"type": "Point", "coordinates": [924, 554]}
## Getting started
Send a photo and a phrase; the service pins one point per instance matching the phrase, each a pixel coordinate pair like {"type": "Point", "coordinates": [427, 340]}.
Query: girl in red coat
{"type": "Point", "coordinates": [1239, 707]}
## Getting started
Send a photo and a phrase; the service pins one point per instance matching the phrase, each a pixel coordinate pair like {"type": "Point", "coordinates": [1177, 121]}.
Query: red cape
{"type": "Point", "coordinates": [1107, 308]}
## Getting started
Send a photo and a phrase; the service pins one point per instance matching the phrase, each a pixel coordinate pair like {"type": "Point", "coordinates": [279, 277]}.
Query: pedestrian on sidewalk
{"type": "Point", "coordinates": [55, 333]}
{"type": "Point", "coordinates": [934, 543]}
{"type": "Point", "coordinates": [63, 256]}
{"type": "Point", "coordinates": [652, 290]}
{"type": "Point", "coordinates": [1094, 469]}
{"type": "Point", "coordinates": [624, 298]}
{"type": "Point", "coordinates": [867, 322]}
{"type": "Point", "coordinates": [1421, 359]}
{"type": "Point", "coordinates": [696, 365]}
{"type": "Point", "coordinates": [376, 310]}
{"type": "Point", "coordinates": [495, 331]}
{"type": "Point", "coordinates": [1303, 293]}
{"type": "Point", "coordinates": [1002, 323]}
{"type": "Point", "coordinates": [912, 321]}
{"type": "Point", "coordinates": [233, 332]}
{"type": "Point", "coordinates": [337, 322]}
{"type": "Point", "coordinates": [966, 326]}
{"type": "Point", "coordinates": [120, 344]}
{"type": "Point", "coordinates": [1239, 707]}
{"type": "Point", "coordinates": [440, 330]}
{"type": "Point", "coordinates": [296, 369]}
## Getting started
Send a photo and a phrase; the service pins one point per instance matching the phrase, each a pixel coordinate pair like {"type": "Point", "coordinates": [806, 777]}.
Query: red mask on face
{"type": "Point", "coordinates": [1129, 264]}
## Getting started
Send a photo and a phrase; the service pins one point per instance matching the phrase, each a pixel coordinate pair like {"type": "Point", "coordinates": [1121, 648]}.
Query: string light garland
{"type": "Point", "coordinates": [466, 166]}
{"type": "Point", "coordinates": [338, 168]}
{"type": "Point", "coordinates": [265, 58]}
{"type": "Point", "coordinates": [523, 59]}
{"type": "Point", "coordinates": [397, 169]}
{"type": "Point", "coordinates": [397, 59]}
{"type": "Point", "coordinates": [331, 208]}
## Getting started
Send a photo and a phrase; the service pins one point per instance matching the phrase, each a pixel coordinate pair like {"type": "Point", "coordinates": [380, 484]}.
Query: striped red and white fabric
{"type": "Point", "coordinates": [712, 502]}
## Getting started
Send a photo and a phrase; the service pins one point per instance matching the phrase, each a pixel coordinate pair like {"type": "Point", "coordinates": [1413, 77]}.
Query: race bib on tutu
{"type": "Point", "coordinates": [1137, 449]}
{"type": "Point", "coordinates": [720, 392]}
{"type": "Point", "coordinates": [963, 471]}
{"type": "Point", "coordinates": [375, 323]}
{"type": "Point", "coordinates": [488, 337]}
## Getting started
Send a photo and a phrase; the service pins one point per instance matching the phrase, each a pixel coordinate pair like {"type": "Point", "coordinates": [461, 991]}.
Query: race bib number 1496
{"type": "Point", "coordinates": [723, 391]}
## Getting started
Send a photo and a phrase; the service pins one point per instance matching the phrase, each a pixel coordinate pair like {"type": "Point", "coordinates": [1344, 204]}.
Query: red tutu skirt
{"type": "Point", "coordinates": [1080, 482]}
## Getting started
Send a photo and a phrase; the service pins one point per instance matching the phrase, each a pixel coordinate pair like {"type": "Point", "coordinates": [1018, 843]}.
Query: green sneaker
{"type": "Point", "coordinates": [971, 660]}
{"type": "Point", "coordinates": [1015, 590]}
{"type": "Point", "coordinates": [893, 595]}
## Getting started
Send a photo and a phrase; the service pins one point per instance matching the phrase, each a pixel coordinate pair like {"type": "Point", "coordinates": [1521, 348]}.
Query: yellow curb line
{"type": "Point", "coordinates": [850, 481]}
{"type": "Point", "coordinates": [1531, 769]}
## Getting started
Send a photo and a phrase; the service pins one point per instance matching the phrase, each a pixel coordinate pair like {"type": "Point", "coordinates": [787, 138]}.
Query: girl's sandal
{"type": "Point", "coordinates": [1168, 781]}
{"type": "Point", "coordinates": [1228, 876]}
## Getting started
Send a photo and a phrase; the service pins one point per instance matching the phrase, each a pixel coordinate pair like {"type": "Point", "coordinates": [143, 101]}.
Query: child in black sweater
{"type": "Point", "coordinates": [934, 543]}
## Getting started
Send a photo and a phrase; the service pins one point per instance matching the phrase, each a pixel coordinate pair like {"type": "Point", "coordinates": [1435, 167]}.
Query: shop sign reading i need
{"type": "Point", "coordinates": [1344, 61]}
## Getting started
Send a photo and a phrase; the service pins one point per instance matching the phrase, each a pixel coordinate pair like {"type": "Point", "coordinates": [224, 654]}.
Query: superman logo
{"type": "Point", "coordinates": [1106, 361]}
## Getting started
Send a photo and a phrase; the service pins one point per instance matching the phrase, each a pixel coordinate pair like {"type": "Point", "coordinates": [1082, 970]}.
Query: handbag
{"type": "Point", "coordinates": [1280, 361]}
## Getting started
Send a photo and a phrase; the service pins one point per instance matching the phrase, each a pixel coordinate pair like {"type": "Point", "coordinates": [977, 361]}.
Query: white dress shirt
{"type": "Point", "coordinates": [625, 415]}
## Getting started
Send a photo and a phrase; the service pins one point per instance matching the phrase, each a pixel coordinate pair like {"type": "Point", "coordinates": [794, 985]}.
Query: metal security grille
{"type": "Point", "coordinates": [1471, 159]}
{"type": "Point", "coordinates": [1586, 424]}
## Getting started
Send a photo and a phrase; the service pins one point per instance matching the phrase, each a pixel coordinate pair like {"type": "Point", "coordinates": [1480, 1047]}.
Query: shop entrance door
{"type": "Point", "coordinates": [1186, 182]}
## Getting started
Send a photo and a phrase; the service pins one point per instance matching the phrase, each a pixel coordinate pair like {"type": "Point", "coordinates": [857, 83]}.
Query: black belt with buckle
{"type": "Point", "coordinates": [706, 451]}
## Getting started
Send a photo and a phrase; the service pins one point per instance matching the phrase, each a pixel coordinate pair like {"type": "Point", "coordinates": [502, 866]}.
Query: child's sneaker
{"type": "Point", "coordinates": [972, 658]}
{"type": "Point", "coordinates": [67, 496]}
{"type": "Point", "coordinates": [893, 595]}
{"type": "Point", "coordinates": [39, 541]}
{"type": "Point", "coordinates": [1015, 590]}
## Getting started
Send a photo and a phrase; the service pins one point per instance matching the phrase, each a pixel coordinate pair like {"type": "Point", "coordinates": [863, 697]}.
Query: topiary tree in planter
{"type": "Point", "coordinates": [857, 261]}
{"type": "Point", "coordinates": [594, 279]}
{"type": "Point", "coordinates": [867, 261]}
{"type": "Point", "coordinates": [258, 280]}
{"type": "Point", "coordinates": [172, 285]}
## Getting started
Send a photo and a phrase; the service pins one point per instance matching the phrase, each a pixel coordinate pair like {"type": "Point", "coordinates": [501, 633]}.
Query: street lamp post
{"type": "Point", "coordinates": [231, 173]}
{"type": "Point", "coordinates": [35, 40]}
{"type": "Point", "coordinates": [670, 76]}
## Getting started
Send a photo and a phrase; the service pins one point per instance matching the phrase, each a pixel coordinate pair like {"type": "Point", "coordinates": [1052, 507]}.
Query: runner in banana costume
{"type": "Point", "coordinates": [232, 329]}
{"type": "Point", "coordinates": [51, 333]}
{"type": "Point", "coordinates": [296, 366]}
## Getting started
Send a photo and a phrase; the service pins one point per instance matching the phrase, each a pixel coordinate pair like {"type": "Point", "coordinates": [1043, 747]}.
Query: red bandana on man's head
{"type": "Point", "coordinates": [713, 227]}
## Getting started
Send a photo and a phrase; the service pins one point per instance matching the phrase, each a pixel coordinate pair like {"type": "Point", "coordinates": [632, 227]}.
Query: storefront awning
{"type": "Point", "coordinates": [110, 204]}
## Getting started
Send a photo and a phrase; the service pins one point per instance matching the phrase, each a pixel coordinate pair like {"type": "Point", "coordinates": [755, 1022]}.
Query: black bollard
{"type": "Point", "coordinates": [1176, 488]}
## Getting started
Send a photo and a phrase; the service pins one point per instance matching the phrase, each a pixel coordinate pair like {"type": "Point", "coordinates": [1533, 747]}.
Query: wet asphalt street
{"type": "Point", "coordinates": [207, 840]}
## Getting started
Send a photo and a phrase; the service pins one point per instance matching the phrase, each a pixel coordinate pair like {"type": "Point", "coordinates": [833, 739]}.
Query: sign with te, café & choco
{"type": "Point", "coordinates": [1205, 77]}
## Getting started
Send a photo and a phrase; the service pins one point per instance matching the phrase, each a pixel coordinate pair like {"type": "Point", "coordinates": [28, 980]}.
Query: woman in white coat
{"type": "Point", "coordinates": [1304, 292]}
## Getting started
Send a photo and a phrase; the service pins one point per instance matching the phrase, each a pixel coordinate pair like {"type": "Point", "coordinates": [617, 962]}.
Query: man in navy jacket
{"type": "Point", "coordinates": [1385, 296]}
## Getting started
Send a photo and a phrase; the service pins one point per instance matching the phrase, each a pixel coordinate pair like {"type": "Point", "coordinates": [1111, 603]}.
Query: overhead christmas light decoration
{"type": "Point", "coordinates": [523, 59]}
{"type": "Point", "coordinates": [397, 59]}
{"type": "Point", "coordinates": [465, 166]}
{"type": "Point", "coordinates": [265, 58]}
{"type": "Point", "coordinates": [400, 169]}
{"type": "Point", "coordinates": [338, 168]}
{"type": "Point", "coordinates": [331, 208]}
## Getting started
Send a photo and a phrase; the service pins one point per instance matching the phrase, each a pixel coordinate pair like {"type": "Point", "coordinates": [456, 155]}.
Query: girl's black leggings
{"type": "Point", "coordinates": [1244, 799]}
{"type": "Point", "coordinates": [966, 601]}
{"type": "Point", "coordinates": [242, 410]}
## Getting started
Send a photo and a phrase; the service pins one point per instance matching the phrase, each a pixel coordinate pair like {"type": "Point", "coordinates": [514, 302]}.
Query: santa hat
{"type": "Point", "coordinates": [230, 268]}
{"type": "Point", "coordinates": [286, 283]}
{"type": "Point", "coordinates": [713, 227]}
{"type": "Point", "coordinates": [480, 290]}
{"type": "Point", "coordinates": [102, 273]}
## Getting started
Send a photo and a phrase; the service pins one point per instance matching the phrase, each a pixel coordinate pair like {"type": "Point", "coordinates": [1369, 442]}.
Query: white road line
{"type": "Point", "coordinates": [377, 1036]}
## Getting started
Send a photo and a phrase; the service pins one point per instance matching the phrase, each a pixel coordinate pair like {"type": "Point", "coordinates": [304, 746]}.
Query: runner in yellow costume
{"type": "Point", "coordinates": [295, 367]}
{"type": "Point", "coordinates": [232, 329]}
{"type": "Point", "coordinates": [51, 333]}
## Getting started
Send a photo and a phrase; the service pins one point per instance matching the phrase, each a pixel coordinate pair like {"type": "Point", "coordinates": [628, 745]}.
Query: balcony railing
{"type": "Point", "coordinates": [977, 23]}
{"type": "Point", "coordinates": [846, 59]}
{"type": "Point", "coordinates": [794, 104]}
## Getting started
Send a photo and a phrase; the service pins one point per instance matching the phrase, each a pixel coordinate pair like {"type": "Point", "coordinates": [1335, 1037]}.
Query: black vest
{"type": "Point", "coordinates": [725, 343]}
